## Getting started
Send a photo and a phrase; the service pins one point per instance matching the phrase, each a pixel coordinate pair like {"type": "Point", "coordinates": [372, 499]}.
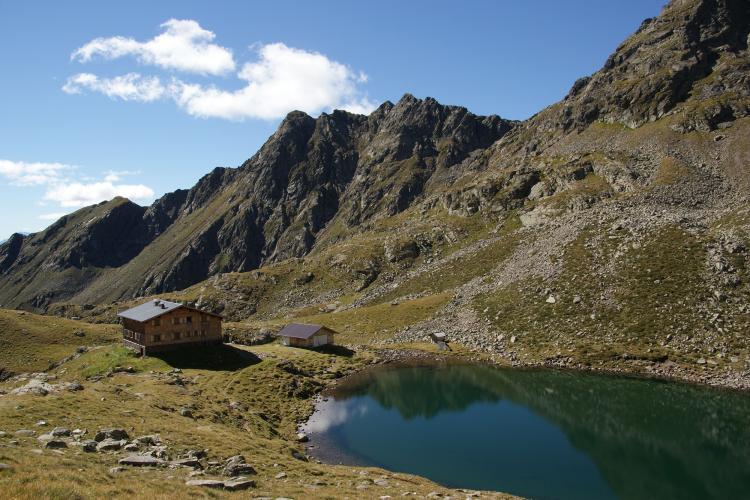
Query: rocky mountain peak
{"type": "Point", "coordinates": [660, 66]}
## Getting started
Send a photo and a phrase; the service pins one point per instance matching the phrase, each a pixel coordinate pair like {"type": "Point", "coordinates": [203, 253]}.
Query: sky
{"type": "Point", "coordinates": [139, 98]}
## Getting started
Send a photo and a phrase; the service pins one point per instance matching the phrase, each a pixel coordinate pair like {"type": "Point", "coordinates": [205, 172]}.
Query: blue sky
{"type": "Point", "coordinates": [141, 98]}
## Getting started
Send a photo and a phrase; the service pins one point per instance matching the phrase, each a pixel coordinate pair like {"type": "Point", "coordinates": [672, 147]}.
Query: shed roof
{"type": "Point", "coordinates": [150, 310]}
{"type": "Point", "coordinates": [301, 331]}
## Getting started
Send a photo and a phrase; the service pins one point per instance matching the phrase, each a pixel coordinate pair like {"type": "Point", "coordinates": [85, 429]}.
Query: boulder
{"type": "Point", "coordinates": [115, 433]}
{"type": "Point", "coordinates": [131, 447]}
{"type": "Point", "coordinates": [60, 431]}
{"type": "Point", "coordinates": [141, 461]}
{"type": "Point", "coordinates": [187, 462]}
{"type": "Point", "coordinates": [396, 251]}
{"type": "Point", "coordinates": [302, 437]}
{"type": "Point", "coordinates": [206, 483]}
{"type": "Point", "coordinates": [236, 459]}
{"type": "Point", "coordinates": [150, 440]}
{"type": "Point", "coordinates": [110, 445]}
{"type": "Point", "coordinates": [238, 469]}
{"type": "Point", "coordinates": [186, 412]}
{"type": "Point", "coordinates": [89, 445]}
{"type": "Point", "coordinates": [25, 432]}
{"type": "Point", "coordinates": [55, 443]}
{"type": "Point", "coordinates": [239, 484]}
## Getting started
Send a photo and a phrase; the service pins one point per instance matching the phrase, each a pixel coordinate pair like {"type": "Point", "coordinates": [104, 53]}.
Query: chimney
{"type": "Point", "coordinates": [163, 306]}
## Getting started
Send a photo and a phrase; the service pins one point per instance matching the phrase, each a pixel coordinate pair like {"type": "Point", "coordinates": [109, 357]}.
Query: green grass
{"type": "Point", "coordinates": [245, 401]}
{"type": "Point", "coordinates": [32, 342]}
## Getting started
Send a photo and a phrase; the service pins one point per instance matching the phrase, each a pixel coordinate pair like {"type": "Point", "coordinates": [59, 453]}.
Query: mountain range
{"type": "Point", "coordinates": [619, 212]}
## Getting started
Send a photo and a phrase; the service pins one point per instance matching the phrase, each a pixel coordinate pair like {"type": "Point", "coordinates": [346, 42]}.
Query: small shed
{"type": "Point", "coordinates": [301, 335]}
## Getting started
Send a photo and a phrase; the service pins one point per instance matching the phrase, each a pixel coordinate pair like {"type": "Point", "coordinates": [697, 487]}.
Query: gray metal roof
{"type": "Point", "coordinates": [300, 331]}
{"type": "Point", "coordinates": [150, 310]}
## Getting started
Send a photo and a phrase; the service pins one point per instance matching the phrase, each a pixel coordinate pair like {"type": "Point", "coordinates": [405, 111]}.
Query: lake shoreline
{"type": "Point", "coordinates": [607, 398]}
{"type": "Point", "coordinates": [667, 371]}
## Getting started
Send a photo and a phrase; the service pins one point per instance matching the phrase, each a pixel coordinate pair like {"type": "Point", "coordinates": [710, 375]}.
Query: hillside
{"type": "Point", "coordinates": [609, 230]}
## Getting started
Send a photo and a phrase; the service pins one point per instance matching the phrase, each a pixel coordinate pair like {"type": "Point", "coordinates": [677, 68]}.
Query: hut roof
{"type": "Point", "coordinates": [155, 308]}
{"type": "Point", "coordinates": [301, 331]}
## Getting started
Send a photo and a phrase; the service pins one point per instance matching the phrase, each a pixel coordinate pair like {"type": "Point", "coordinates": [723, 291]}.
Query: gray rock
{"type": "Point", "coordinates": [131, 447]}
{"type": "Point", "coordinates": [114, 433]}
{"type": "Point", "coordinates": [206, 483]}
{"type": "Point", "coordinates": [116, 470]}
{"type": "Point", "coordinates": [236, 459]}
{"type": "Point", "coordinates": [280, 475]}
{"type": "Point", "coordinates": [60, 431]}
{"type": "Point", "coordinates": [25, 432]}
{"type": "Point", "coordinates": [187, 462]}
{"type": "Point", "coordinates": [55, 443]}
{"type": "Point", "coordinates": [239, 484]}
{"type": "Point", "coordinates": [577, 299]}
{"type": "Point", "coordinates": [110, 445]}
{"type": "Point", "coordinates": [89, 445]}
{"type": "Point", "coordinates": [302, 437]}
{"type": "Point", "coordinates": [141, 461]}
{"type": "Point", "coordinates": [186, 412]}
{"type": "Point", "coordinates": [238, 469]}
{"type": "Point", "coordinates": [4, 467]}
{"type": "Point", "coordinates": [150, 440]}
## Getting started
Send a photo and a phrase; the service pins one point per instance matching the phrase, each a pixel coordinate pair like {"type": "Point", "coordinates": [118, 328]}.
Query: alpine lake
{"type": "Point", "coordinates": [541, 434]}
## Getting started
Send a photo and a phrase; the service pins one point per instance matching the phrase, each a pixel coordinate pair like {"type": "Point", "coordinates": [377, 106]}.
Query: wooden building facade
{"type": "Point", "coordinates": [160, 325]}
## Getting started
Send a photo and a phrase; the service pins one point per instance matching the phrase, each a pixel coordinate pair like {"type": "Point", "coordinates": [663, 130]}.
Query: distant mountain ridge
{"type": "Point", "coordinates": [317, 182]}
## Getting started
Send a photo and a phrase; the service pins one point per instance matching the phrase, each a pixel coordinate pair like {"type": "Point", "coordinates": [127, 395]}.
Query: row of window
{"type": "Point", "coordinates": [135, 336]}
{"type": "Point", "coordinates": [180, 335]}
{"type": "Point", "coordinates": [184, 320]}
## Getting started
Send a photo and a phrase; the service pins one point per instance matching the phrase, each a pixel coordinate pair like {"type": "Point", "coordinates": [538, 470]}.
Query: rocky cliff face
{"type": "Point", "coordinates": [318, 184]}
{"type": "Point", "coordinates": [339, 169]}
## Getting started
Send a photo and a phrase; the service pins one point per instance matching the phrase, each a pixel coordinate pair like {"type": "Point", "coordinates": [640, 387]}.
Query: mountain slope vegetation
{"type": "Point", "coordinates": [611, 227]}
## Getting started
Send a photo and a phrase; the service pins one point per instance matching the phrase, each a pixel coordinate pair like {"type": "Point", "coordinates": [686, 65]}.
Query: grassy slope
{"type": "Point", "coordinates": [274, 402]}
{"type": "Point", "coordinates": [31, 342]}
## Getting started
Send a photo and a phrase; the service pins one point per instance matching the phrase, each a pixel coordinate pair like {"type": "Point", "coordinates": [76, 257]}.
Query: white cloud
{"type": "Point", "coordinates": [22, 173]}
{"type": "Point", "coordinates": [78, 194]}
{"type": "Point", "coordinates": [69, 190]}
{"type": "Point", "coordinates": [184, 45]}
{"type": "Point", "coordinates": [129, 87]}
{"type": "Point", "coordinates": [283, 79]}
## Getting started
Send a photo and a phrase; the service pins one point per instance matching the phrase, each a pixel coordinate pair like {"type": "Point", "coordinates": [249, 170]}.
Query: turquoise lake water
{"type": "Point", "coordinates": [540, 434]}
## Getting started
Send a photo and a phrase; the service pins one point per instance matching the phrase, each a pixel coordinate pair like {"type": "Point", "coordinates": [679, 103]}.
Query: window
{"type": "Point", "coordinates": [175, 321]}
{"type": "Point", "coordinates": [176, 335]}
{"type": "Point", "coordinates": [157, 322]}
{"type": "Point", "coordinates": [189, 319]}
{"type": "Point", "coordinates": [156, 338]}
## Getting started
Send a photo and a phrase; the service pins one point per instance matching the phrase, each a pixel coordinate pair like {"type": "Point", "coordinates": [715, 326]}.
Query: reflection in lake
{"type": "Point", "coordinates": [541, 434]}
